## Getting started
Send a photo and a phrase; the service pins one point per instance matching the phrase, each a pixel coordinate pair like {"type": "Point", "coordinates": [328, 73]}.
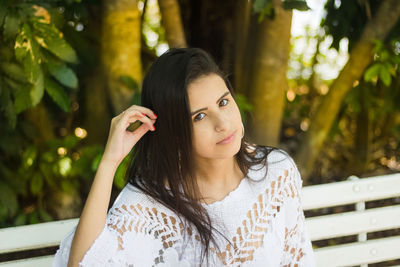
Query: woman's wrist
{"type": "Point", "coordinates": [106, 162]}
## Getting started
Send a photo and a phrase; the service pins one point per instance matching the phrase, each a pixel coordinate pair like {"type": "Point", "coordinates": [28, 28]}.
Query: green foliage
{"type": "Point", "coordinates": [244, 105]}
{"type": "Point", "coordinates": [295, 4]}
{"type": "Point", "coordinates": [120, 174]}
{"type": "Point", "coordinates": [34, 54]}
{"type": "Point", "coordinates": [30, 174]}
{"type": "Point", "coordinates": [386, 63]}
{"type": "Point", "coordinates": [379, 91]}
{"type": "Point", "coordinates": [266, 7]}
{"type": "Point", "coordinates": [347, 19]}
{"type": "Point", "coordinates": [132, 84]}
{"type": "Point", "coordinates": [58, 94]}
{"type": "Point", "coordinates": [60, 71]}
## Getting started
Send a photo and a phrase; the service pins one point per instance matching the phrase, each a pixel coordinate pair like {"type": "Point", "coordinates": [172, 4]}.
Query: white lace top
{"type": "Point", "coordinates": [263, 221]}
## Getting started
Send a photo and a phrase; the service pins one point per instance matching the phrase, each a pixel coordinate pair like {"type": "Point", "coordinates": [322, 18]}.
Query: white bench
{"type": "Point", "coordinates": [359, 222]}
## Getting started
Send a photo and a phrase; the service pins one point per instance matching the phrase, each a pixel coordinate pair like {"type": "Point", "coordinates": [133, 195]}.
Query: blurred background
{"type": "Point", "coordinates": [319, 79]}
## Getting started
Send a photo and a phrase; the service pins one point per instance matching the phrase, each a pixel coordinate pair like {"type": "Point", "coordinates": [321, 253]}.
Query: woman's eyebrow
{"type": "Point", "coordinates": [194, 112]}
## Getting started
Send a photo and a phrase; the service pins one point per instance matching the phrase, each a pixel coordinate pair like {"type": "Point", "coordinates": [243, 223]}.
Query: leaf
{"type": "Point", "coordinates": [6, 53]}
{"type": "Point", "coordinates": [36, 183]}
{"type": "Point", "coordinates": [384, 75]}
{"type": "Point", "coordinates": [260, 5]}
{"type": "Point", "coordinates": [10, 177]}
{"type": "Point", "coordinates": [119, 180]}
{"type": "Point", "coordinates": [3, 11]}
{"type": "Point", "coordinates": [396, 59]}
{"type": "Point", "coordinates": [296, 4]}
{"type": "Point", "coordinates": [33, 217]}
{"type": "Point", "coordinates": [13, 71]}
{"type": "Point", "coordinates": [67, 187]}
{"type": "Point", "coordinates": [58, 95]}
{"type": "Point", "coordinates": [243, 103]}
{"type": "Point", "coordinates": [22, 99]}
{"type": "Point", "coordinates": [50, 38]}
{"type": "Point", "coordinates": [15, 86]}
{"type": "Point", "coordinates": [29, 157]}
{"type": "Point", "coordinates": [3, 213]}
{"type": "Point", "coordinates": [47, 173]}
{"type": "Point", "coordinates": [64, 166]}
{"type": "Point", "coordinates": [11, 25]}
{"type": "Point", "coordinates": [6, 105]}
{"type": "Point", "coordinates": [9, 142]}
{"type": "Point", "coordinates": [27, 52]}
{"type": "Point", "coordinates": [96, 162]}
{"type": "Point", "coordinates": [62, 73]}
{"type": "Point", "coordinates": [385, 56]}
{"type": "Point", "coordinates": [22, 43]}
{"type": "Point", "coordinates": [45, 216]}
{"type": "Point", "coordinates": [37, 90]}
{"type": "Point", "coordinates": [70, 141]}
{"type": "Point", "coordinates": [8, 198]}
{"type": "Point", "coordinates": [20, 219]}
{"type": "Point", "coordinates": [136, 99]}
{"type": "Point", "coordinates": [130, 82]}
{"type": "Point", "coordinates": [372, 72]}
{"type": "Point", "coordinates": [35, 75]}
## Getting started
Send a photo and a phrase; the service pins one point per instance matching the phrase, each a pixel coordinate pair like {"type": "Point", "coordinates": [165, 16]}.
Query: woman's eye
{"type": "Point", "coordinates": [199, 118]}
{"type": "Point", "coordinates": [226, 101]}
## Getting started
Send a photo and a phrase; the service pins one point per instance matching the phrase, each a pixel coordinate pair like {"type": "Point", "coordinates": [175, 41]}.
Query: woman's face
{"type": "Point", "coordinates": [215, 116]}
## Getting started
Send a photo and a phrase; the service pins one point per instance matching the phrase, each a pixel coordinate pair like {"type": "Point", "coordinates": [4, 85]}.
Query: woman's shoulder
{"type": "Point", "coordinates": [278, 166]}
{"type": "Point", "coordinates": [134, 207]}
{"type": "Point", "coordinates": [273, 157]}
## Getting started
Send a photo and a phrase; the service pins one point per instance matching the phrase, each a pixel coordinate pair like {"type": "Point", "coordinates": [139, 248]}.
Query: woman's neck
{"type": "Point", "coordinates": [218, 178]}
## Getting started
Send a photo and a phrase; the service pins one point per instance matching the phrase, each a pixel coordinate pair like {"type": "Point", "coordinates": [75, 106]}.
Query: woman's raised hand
{"type": "Point", "coordinates": [119, 144]}
{"type": "Point", "coordinates": [120, 141]}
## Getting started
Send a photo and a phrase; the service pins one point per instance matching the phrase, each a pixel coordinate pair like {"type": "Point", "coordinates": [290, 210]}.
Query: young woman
{"type": "Point", "coordinates": [198, 193]}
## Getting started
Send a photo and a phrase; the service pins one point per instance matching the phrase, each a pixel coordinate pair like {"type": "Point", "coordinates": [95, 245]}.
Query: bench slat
{"type": "Point", "coordinates": [34, 236]}
{"type": "Point", "coordinates": [353, 222]}
{"type": "Point", "coordinates": [371, 251]}
{"type": "Point", "coordinates": [44, 261]}
{"type": "Point", "coordinates": [364, 189]}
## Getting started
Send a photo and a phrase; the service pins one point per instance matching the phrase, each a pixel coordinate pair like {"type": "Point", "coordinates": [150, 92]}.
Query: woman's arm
{"type": "Point", "coordinates": [298, 249]}
{"type": "Point", "coordinates": [94, 213]}
{"type": "Point", "coordinates": [119, 144]}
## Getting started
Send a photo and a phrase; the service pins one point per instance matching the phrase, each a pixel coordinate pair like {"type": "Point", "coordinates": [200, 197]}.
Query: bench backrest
{"type": "Point", "coordinates": [359, 222]}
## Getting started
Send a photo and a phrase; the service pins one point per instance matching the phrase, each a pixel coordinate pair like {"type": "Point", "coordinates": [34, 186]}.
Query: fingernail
{"type": "Point", "coordinates": [142, 114]}
{"type": "Point", "coordinates": [155, 115]}
{"type": "Point", "coordinates": [154, 128]}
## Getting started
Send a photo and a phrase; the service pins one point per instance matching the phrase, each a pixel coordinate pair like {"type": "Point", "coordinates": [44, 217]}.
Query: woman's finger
{"type": "Point", "coordinates": [139, 132]}
{"type": "Point", "coordinates": [130, 116]}
{"type": "Point", "coordinates": [144, 110]}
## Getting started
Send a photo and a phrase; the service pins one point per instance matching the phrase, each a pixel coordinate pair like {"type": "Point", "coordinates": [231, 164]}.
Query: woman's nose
{"type": "Point", "coordinates": [221, 124]}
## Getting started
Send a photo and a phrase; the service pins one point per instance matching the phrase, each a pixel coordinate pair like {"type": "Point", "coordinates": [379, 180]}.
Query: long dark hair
{"type": "Point", "coordinates": [166, 154]}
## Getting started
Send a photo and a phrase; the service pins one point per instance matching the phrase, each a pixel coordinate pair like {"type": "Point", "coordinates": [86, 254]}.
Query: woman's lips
{"type": "Point", "coordinates": [228, 139]}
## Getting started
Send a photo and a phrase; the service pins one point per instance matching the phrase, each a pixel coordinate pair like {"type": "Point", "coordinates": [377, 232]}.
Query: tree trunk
{"type": "Point", "coordinates": [362, 136]}
{"type": "Point", "coordinates": [241, 24]}
{"type": "Point", "coordinates": [268, 55]}
{"type": "Point", "coordinates": [39, 116]}
{"type": "Point", "coordinates": [121, 49]}
{"type": "Point", "coordinates": [208, 24]}
{"type": "Point", "coordinates": [172, 22]}
{"type": "Point", "coordinates": [360, 57]}
{"type": "Point", "coordinates": [97, 107]}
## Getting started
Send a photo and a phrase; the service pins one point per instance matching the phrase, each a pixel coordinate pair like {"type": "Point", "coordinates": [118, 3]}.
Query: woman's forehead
{"type": "Point", "coordinates": [206, 86]}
